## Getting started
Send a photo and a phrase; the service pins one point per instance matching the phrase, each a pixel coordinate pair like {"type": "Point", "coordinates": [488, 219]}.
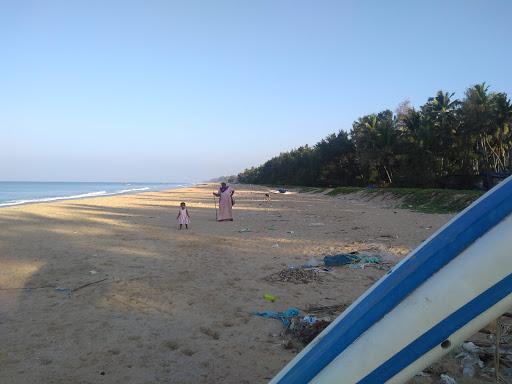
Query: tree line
{"type": "Point", "coordinates": [446, 143]}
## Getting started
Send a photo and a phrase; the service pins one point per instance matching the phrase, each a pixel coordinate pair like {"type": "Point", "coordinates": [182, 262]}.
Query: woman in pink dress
{"type": "Point", "coordinates": [226, 202]}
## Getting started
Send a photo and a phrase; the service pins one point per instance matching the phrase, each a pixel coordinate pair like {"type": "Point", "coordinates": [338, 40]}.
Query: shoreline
{"type": "Point", "coordinates": [87, 195]}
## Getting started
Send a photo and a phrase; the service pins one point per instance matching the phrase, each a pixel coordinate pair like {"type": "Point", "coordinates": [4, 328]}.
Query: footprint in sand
{"type": "Point", "coordinates": [171, 345]}
{"type": "Point", "coordinates": [210, 332]}
{"type": "Point", "coordinates": [188, 352]}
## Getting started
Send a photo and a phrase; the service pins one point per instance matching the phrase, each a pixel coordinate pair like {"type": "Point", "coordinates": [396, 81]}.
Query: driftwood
{"type": "Point", "coordinates": [88, 284]}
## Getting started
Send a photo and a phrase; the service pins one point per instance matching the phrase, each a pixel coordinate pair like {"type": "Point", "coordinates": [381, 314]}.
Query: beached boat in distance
{"type": "Point", "coordinates": [447, 289]}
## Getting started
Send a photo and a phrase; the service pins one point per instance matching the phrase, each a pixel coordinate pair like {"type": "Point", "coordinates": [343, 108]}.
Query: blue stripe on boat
{"type": "Point", "coordinates": [440, 250]}
{"type": "Point", "coordinates": [440, 332]}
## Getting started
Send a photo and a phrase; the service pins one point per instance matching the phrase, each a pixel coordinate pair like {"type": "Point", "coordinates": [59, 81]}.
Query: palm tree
{"type": "Point", "coordinates": [478, 124]}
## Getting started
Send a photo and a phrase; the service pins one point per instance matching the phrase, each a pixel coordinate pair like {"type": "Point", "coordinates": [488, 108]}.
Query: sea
{"type": "Point", "coordinates": [26, 192]}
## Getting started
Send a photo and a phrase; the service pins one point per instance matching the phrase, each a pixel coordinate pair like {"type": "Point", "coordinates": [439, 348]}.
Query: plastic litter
{"type": "Point", "coordinates": [468, 366]}
{"type": "Point", "coordinates": [244, 230]}
{"type": "Point", "coordinates": [309, 319]}
{"type": "Point", "coordinates": [312, 263]}
{"type": "Point", "coordinates": [275, 246]}
{"type": "Point", "coordinates": [306, 331]}
{"type": "Point", "coordinates": [363, 262]}
{"type": "Point", "coordinates": [370, 260]}
{"type": "Point", "coordinates": [354, 260]}
{"type": "Point", "coordinates": [340, 259]}
{"type": "Point", "coordinates": [284, 316]}
{"type": "Point", "coordinates": [290, 232]}
{"type": "Point", "coordinates": [470, 347]}
{"type": "Point", "coordinates": [445, 379]}
{"type": "Point", "coordinates": [93, 272]}
{"type": "Point", "coordinates": [470, 359]}
{"type": "Point", "coordinates": [269, 297]}
{"type": "Point", "coordinates": [357, 266]}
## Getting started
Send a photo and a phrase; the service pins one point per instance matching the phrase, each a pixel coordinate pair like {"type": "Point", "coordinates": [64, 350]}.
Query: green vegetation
{"type": "Point", "coordinates": [427, 200]}
{"type": "Point", "coordinates": [436, 200]}
{"type": "Point", "coordinates": [311, 190]}
{"type": "Point", "coordinates": [307, 189]}
{"type": "Point", "coordinates": [446, 143]}
{"type": "Point", "coordinates": [345, 190]}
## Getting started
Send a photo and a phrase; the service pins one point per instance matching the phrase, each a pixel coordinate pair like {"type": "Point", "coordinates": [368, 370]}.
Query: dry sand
{"type": "Point", "coordinates": [176, 305]}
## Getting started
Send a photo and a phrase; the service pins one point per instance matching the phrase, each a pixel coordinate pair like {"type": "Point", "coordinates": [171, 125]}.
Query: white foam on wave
{"type": "Point", "coordinates": [80, 196]}
{"type": "Point", "coordinates": [133, 190]}
{"type": "Point", "coordinates": [46, 199]}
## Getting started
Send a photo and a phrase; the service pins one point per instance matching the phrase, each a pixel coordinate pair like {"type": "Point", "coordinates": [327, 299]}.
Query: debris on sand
{"type": "Point", "coordinates": [313, 263]}
{"type": "Point", "coordinates": [445, 379]}
{"type": "Point", "coordinates": [474, 361]}
{"type": "Point", "coordinates": [284, 316]}
{"type": "Point", "coordinates": [326, 310]}
{"type": "Point", "coordinates": [300, 330]}
{"type": "Point", "coordinates": [312, 271]}
{"type": "Point", "coordinates": [356, 260]}
{"type": "Point", "coordinates": [210, 332]}
{"type": "Point", "coordinates": [305, 328]}
{"type": "Point", "coordinates": [64, 290]}
{"type": "Point", "coordinates": [269, 297]}
{"type": "Point", "coordinates": [295, 275]}
{"type": "Point", "coordinates": [341, 259]}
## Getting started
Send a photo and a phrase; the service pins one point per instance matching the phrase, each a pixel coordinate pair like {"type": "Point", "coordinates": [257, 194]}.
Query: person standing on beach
{"type": "Point", "coordinates": [183, 216]}
{"type": "Point", "coordinates": [226, 202]}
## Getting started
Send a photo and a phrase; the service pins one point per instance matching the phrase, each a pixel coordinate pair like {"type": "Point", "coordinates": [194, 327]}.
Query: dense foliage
{"type": "Point", "coordinates": [445, 143]}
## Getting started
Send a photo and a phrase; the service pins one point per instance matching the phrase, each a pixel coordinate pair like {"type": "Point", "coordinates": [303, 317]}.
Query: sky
{"type": "Point", "coordinates": [189, 90]}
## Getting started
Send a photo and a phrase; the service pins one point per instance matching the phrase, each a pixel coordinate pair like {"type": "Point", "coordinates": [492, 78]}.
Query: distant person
{"type": "Point", "coordinates": [183, 216]}
{"type": "Point", "coordinates": [226, 202]}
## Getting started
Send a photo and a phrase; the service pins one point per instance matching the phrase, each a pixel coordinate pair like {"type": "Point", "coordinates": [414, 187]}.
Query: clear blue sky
{"type": "Point", "coordinates": [183, 91]}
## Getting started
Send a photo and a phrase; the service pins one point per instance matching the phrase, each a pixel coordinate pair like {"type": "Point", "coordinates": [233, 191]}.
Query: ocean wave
{"type": "Point", "coordinates": [133, 190]}
{"type": "Point", "coordinates": [55, 198]}
{"type": "Point", "coordinates": [84, 195]}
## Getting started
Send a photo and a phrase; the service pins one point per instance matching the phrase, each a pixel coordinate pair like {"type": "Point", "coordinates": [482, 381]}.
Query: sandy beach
{"type": "Point", "coordinates": [170, 306]}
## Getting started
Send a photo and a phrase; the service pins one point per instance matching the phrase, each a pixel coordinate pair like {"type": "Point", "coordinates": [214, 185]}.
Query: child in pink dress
{"type": "Point", "coordinates": [183, 216]}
